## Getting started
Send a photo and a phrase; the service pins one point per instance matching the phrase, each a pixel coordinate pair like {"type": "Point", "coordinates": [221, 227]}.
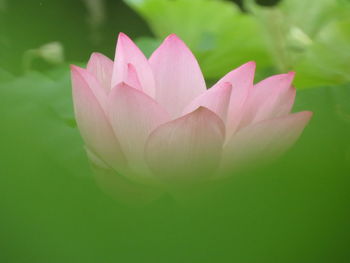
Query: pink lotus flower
{"type": "Point", "coordinates": [153, 121]}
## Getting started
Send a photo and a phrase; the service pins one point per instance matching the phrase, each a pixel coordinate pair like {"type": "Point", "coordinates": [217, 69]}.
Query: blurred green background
{"type": "Point", "coordinates": [295, 210]}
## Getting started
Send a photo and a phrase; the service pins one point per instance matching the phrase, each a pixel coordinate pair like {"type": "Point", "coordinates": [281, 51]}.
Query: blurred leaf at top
{"type": "Point", "coordinates": [220, 34]}
{"type": "Point", "coordinates": [310, 37]}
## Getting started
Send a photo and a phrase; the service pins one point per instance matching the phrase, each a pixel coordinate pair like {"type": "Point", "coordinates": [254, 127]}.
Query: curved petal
{"type": "Point", "coordinates": [215, 99]}
{"type": "Point", "coordinates": [95, 86]}
{"type": "Point", "coordinates": [93, 124]}
{"type": "Point", "coordinates": [188, 149]}
{"type": "Point", "coordinates": [101, 67]}
{"type": "Point", "coordinates": [263, 140]}
{"type": "Point", "coordinates": [177, 75]}
{"type": "Point", "coordinates": [242, 80]}
{"type": "Point", "coordinates": [132, 78]}
{"type": "Point", "coordinates": [134, 115]}
{"type": "Point", "coordinates": [271, 98]}
{"type": "Point", "coordinates": [128, 53]}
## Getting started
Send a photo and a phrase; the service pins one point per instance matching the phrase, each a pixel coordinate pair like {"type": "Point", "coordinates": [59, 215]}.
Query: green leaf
{"type": "Point", "coordinates": [327, 61]}
{"type": "Point", "coordinates": [309, 37]}
{"type": "Point", "coordinates": [37, 119]}
{"type": "Point", "coordinates": [310, 16]}
{"type": "Point", "coordinates": [5, 75]}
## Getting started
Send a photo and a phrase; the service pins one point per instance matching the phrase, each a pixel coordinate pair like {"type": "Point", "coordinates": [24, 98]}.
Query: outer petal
{"type": "Point", "coordinates": [263, 140]}
{"type": "Point", "coordinates": [242, 80]}
{"type": "Point", "coordinates": [273, 97]}
{"type": "Point", "coordinates": [177, 75]}
{"type": "Point", "coordinates": [93, 124]}
{"type": "Point", "coordinates": [188, 149]}
{"type": "Point", "coordinates": [120, 187]}
{"type": "Point", "coordinates": [134, 115]}
{"type": "Point", "coordinates": [99, 92]}
{"type": "Point", "coordinates": [128, 53]}
{"type": "Point", "coordinates": [101, 67]}
{"type": "Point", "coordinates": [215, 99]}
